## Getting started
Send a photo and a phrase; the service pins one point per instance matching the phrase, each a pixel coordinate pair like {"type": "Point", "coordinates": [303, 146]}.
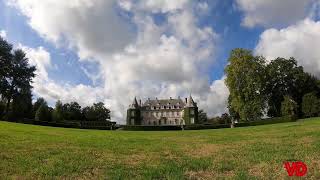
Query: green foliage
{"type": "Point", "coordinates": [246, 79]}
{"type": "Point", "coordinates": [202, 116]}
{"type": "Point", "coordinates": [37, 104]}
{"type": "Point", "coordinates": [2, 108]}
{"type": "Point", "coordinates": [57, 114]}
{"type": "Point", "coordinates": [311, 105]}
{"type": "Point", "coordinates": [18, 75]}
{"type": "Point", "coordinates": [72, 111]}
{"type": "Point", "coordinates": [22, 105]}
{"type": "Point", "coordinates": [289, 108]}
{"type": "Point", "coordinates": [97, 112]}
{"type": "Point", "coordinates": [43, 113]}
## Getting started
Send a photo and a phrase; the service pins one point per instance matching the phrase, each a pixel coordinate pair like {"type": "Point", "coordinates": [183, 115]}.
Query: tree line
{"type": "Point", "coordinates": [16, 76]}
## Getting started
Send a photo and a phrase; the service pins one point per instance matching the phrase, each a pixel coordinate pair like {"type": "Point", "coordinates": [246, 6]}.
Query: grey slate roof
{"type": "Point", "coordinates": [164, 102]}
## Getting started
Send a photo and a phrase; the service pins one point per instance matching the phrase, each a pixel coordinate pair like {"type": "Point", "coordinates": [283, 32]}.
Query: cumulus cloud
{"type": "Point", "coordinates": [166, 59]}
{"type": "Point", "coordinates": [3, 33]}
{"type": "Point", "coordinates": [92, 27]}
{"type": "Point", "coordinates": [271, 13]}
{"type": "Point", "coordinates": [299, 40]}
{"type": "Point", "coordinates": [52, 91]}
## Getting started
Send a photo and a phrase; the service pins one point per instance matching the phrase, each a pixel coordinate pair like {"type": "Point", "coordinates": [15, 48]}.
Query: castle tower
{"type": "Point", "coordinates": [133, 113]}
{"type": "Point", "coordinates": [191, 112]}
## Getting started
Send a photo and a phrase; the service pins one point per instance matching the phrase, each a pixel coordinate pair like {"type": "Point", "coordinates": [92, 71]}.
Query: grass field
{"type": "Point", "coordinates": [28, 151]}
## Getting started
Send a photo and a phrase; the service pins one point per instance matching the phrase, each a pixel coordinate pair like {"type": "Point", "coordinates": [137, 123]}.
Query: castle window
{"type": "Point", "coordinates": [132, 113]}
{"type": "Point", "coordinates": [192, 120]}
{"type": "Point", "coordinates": [192, 112]}
{"type": "Point", "coordinates": [132, 121]}
{"type": "Point", "coordinates": [176, 121]}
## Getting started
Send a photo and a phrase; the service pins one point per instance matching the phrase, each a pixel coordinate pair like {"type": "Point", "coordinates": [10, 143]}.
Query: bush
{"type": "Point", "coordinates": [310, 105]}
{"type": "Point", "coordinates": [289, 108]}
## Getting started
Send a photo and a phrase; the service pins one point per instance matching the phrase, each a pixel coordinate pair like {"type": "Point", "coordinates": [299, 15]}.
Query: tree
{"type": "Point", "coordinates": [202, 116]}
{"type": "Point", "coordinates": [246, 79]}
{"type": "Point", "coordinates": [72, 111]}
{"type": "Point", "coordinates": [289, 108]}
{"type": "Point", "coordinates": [225, 119]}
{"type": "Point", "coordinates": [43, 114]}
{"type": "Point", "coordinates": [311, 105]}
{"type": "Point", "coordinates": [18, 75]}
{"type": "Point", "coordinates": [37, 104]}
{"type": "Point", "coordinates": [97, 112]}
{"type": "Point", "coordinates": [57, 114]}
{"type": "Point", "coordinates": [22, 105]}
{"type": "Point", "coordinates": [280, 82]}
{"type": "Point", "coordinates": [234, 115]}
{"type": "Point", "coordinates": [5, 66]}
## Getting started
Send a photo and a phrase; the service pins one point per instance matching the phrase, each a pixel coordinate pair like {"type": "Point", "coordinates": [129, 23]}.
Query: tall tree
{"type": "Point", "coordinates": [285, 77]}
{"type": "Point", "coordinates": [57, 114]}
{"type": "Point", "coordinates": [22, 105]}
{"type": "Point", "coordinates": [18, 76]}
{"type": "Point", "coordinates": [246, 78]}
{"type": "Point", "coordinates": [5, 67]}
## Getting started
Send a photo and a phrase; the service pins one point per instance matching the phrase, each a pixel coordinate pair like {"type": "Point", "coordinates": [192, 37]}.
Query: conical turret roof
{"type": "Point", "coordinates": [190, 102]}
{"type": "Point", "coordinates": [134, 103]}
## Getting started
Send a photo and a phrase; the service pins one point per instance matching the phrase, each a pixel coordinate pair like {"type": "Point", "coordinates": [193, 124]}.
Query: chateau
{"type": "Point", "coordinates": [159, 112]}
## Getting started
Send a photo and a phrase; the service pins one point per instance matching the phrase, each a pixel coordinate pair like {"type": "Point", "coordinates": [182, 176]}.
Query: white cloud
{"type": "Point", "coordinates": [40, 58]}
{"type": "Point", "coordinates": [3, 33]}
{"type": "Point", "coordinates": [271, 13]}
{"type": "Point", "coordinates": [299, 40]}
{"type": "Point", "coordinates": [163, 59]}
{"type": "Point", "coordinates": [52, 91]}
{"type": "Point", "coordinates": [92, 27]}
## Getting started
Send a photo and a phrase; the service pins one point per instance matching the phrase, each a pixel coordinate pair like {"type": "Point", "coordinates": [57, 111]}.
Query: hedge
{"type": "Point", "coordinates": [265, 121]}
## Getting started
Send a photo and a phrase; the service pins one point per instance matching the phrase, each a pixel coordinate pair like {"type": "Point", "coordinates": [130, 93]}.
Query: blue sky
{"type": "Point", "coordinates": [111, 51]}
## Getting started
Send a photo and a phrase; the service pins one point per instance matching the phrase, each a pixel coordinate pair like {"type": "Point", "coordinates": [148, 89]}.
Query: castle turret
{"type": "Point", "coordinates": [191, 111]}
{"type": "Point", "coordinates": [133, 113]}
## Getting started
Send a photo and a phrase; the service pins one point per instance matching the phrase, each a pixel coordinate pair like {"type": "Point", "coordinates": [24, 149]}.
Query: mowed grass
{"type": "Point", "coordinates": [37, 152]}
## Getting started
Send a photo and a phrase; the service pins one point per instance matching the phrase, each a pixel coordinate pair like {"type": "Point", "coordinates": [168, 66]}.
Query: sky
{"type": "Point", "coordinates": [114, 50]}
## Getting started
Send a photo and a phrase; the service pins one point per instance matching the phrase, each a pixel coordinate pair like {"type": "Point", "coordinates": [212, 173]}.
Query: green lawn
{"type": "Point", "coordinates": [28, 151]}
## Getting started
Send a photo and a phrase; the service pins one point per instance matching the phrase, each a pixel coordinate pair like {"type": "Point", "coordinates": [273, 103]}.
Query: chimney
{"type": "Point", "coordinates": [170, 98]}
{"type": "Point", "coordinates": [186, 100]}
{"type": "Point", "coordinates": [140, 102]}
